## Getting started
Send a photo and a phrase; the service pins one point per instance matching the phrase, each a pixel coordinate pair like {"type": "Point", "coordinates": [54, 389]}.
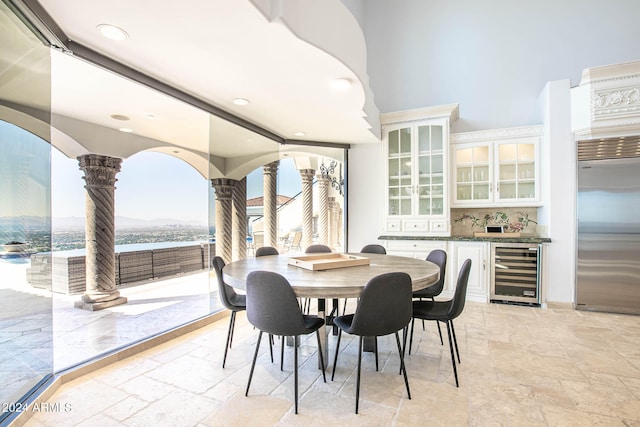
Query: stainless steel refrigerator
{"type": "Point", "coordinates": [608, 250]}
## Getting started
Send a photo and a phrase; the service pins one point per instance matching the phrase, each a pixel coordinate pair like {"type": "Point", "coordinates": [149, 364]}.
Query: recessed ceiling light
{"type": "Point", "coordinates": [112, 32]}
{"type": "Point", "coordinates": [119, 117]}
{"type": "Point", "coordinates": [126, 130]}
{"type": "Point", "coordinates": [299, 134]}
{"type": "Point", "coordinates": [340, 84]}
{"type": "Point", "coordinates": [241, 101]}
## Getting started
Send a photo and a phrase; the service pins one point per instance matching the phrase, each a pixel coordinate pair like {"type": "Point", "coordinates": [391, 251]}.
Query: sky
{"type": "Point", "coordinates": [154, 185]}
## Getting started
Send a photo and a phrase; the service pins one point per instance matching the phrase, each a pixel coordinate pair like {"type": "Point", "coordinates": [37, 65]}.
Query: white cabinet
{"type": "Point", "coordinates": [478, 253]}
{"type": "Point", "coordinates": [496, 168]}
{"type": "Point", "coordinates": [416, 170]}
{"type": "Point", "coordinates": [419, 249]}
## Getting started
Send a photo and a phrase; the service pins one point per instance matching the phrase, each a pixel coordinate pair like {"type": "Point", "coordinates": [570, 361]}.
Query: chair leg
{"type": "Point", "coordinates": [411, 337]}
{"type": "Point", "coordinates": [405, 332]}
{"type": "Point", "coordinates": [253, 364]}
{"type": "Point", "coordinates": [229, 337]}
{"type": "Point", "coordinates": [403, 368]}
{"type": "Point", "coordinates": [233, 326]}
{"type": "Point", "coordinates": [281, 352]}
{"type": "Point", "coordinates": [359, 368]}
{"type": "Point", "coordinates": [439, 332]}
{"type": "Point", "coordinates": [453, 359]}
{"type": "Point", "coordinates": [324, 376]}
{"type": "Point", "coordinates": [455, 341]}
{"type": "Point", "coordinates": [335, 358]}
{"type": "Point", "coordinates": [344, 310]}
{"type": "Point", "coordinates": [295, 374]}
{"type": "Point", "coordinates": [375, 348]}
{"type": "Point", "coordinates": [271, 347]}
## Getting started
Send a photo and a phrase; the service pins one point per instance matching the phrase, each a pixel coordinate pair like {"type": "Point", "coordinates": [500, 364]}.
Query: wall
{"type": "Point", "coordinates": [493, 57]}
{"type": "Point", "coordinates": [559, 185]}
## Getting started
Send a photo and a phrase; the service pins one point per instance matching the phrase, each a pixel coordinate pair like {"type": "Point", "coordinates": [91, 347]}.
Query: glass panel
{"type": "Point", "coordinates": [424, 205]}
{"type": "Point", "coordinates": [437, 163]}
{"type": "Point", "coordinates": [405, 206]}
{"type": "Point", "coordinates": [526, 152]}
{"type": "Point", "coordinates": [464, 191]}
{"type": "Point", "coordinates": [464, 156]}
{"type": "Point", "coordinates": [526, 171]}
{"type": "Point", "coordinates": [481, 192]}
{"type": "Point", "coordinates": [394, 168]}
{"type": "Point", "coordinates": [424, 165]}
{"type": "Point", "coordinates": [481, 155]}
{"type": "Point", "coordinates": [507, 191]}
{"type": "Point", "coordinates": [436, 138]}
{"type": "Point", "coordinates": [508, 152]}
{"type": "Point", "coordinates": [26, 318]}
{"type": "Point", "coordinates": [405, 141]}
{"type": "Point", "coordinates": [394, 144]}
{"type": "Point", "coordinates": [464, 174]}
{"type": "Point", "coordinates": [481, 173]}
{"type": "Point", "coordinates": [526, 190]}
{"type": "Point", "coordinates": [507, 172]}
{"type": "Point", "coordinates": [423, 139]}
{"type": "Point", "coordinates": [437, 206]}
{"type": "Point", "coordinates": [394, 206]}
{"type": "Point", "coordinates": [405, 166]}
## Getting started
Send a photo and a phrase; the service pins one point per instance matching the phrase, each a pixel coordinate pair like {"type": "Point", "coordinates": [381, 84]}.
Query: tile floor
{"type": "Point", "coordinates": [520, 366]}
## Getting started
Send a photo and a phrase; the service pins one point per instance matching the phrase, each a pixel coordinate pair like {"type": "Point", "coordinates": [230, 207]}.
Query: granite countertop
{"type": "Point", "coordinates": [496, 239]}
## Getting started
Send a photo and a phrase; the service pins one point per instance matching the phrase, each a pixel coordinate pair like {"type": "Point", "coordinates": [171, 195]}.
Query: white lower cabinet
{"type": "Point", "coordinates": [419, 249]}
{"type": "Point", "coordinates": [457, 253]}
{"type": "Point", "coordinates": [478, 253]}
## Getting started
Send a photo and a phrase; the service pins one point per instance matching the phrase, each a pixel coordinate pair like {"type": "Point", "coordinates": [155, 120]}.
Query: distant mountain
{"type": "Point", "coordinates": [76, 222]}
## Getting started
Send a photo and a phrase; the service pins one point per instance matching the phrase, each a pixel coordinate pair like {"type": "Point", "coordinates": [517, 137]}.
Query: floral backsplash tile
{"type": "Point", "coordinates": [464, 222]}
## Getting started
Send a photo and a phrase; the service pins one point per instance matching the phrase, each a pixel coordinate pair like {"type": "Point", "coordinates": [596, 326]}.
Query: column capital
{"type": "Point", "coordinates": [223, 187]}
{"type": "Point", "coordinates": [99, 171]}
{"type": "Point", "coordinates": [307, 174]}
{"type": "Point", "coordinates": [271, 168]}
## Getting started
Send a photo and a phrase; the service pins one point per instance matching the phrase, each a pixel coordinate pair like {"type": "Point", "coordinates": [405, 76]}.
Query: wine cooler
{"type": "Point", "coordinates": [515, 273]}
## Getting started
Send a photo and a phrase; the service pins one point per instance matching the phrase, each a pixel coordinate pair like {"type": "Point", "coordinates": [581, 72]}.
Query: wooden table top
{"type": "Point", "coordinates": [346, 282]}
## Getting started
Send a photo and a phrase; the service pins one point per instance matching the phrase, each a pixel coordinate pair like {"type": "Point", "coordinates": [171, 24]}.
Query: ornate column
{"type": "Point", "coordinates": [335, 223]}
{"type": "Point", "coordinates": [100, 178]}
{"type": "Point", "coordinates": [269, 200]}
{"type": "Point", "coordinates": [323, 210]}
{"type": "Point", "coordinates": [224, 193]}
{"type": "Point", "coordinates": [307, 207]}
{"type": "Point", "coordinates": [239, 222]}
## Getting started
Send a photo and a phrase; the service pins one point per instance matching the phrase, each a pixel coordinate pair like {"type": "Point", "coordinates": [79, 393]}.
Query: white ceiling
{"type": "Point", "coordinates": [215, 50]}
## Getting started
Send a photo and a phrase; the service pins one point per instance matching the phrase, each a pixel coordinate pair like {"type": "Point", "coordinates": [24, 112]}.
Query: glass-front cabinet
{"type": "Point", "coordinates": [416, 153]}
{"type": "Point", "coordinates": [496, 168]}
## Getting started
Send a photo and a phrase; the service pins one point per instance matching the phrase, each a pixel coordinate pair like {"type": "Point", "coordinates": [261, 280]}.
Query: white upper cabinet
{"type": "Point", "coordinates": [416, 155]}
{"type": "Point", "coordinates": [496, 168]}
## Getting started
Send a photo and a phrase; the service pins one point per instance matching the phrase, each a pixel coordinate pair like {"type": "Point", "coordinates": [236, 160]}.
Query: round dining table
{"type": "Point", "coordinates": [343, 282]}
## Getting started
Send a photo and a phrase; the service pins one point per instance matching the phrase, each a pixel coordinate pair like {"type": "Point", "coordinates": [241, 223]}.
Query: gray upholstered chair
{"type": "Point", "coordinates": [384, 308]}
{"type": "Point", "coordinates": [446, 311]}
{"type": "Point", "coordinates": [230, 300]}
{"type": "Point", "coordinates": [266, 251]}
{"type": "Point", "coordinates": [373, 249]}
{"type": "Point", "coordinates": [439, 258]}
{"type": "Point", "coordinates": [316, 249]}
{"type": "Point", "coordinates": [272, 307]}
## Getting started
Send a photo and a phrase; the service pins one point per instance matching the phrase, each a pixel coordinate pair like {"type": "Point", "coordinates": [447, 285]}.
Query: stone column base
{"type": "Point", "coordinates": [95, 306]}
